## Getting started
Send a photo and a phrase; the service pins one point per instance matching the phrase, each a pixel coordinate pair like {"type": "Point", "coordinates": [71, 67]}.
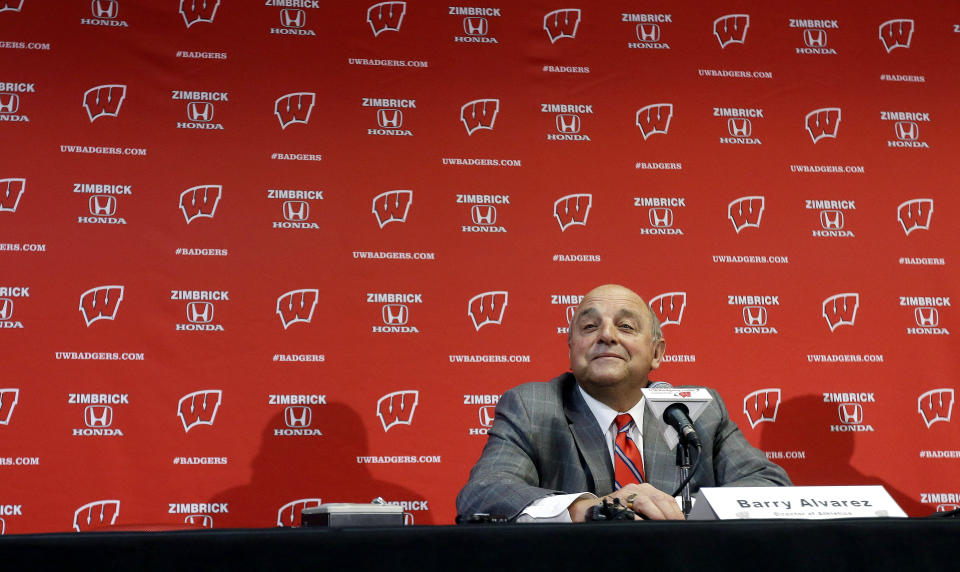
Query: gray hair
{"type": "Point", "coordinates": [657, 330]}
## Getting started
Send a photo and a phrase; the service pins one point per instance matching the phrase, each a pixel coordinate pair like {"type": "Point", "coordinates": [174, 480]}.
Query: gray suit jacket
{"type": "Point", "coordinates": [545, 441]}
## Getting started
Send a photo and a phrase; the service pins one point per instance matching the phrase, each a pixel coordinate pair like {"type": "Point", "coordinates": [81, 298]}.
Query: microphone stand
{"type": "Point", "coordinates": [683, 464]}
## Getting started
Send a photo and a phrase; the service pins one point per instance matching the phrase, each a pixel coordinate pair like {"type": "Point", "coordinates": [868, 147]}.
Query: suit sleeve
{"type": "Point", "coordinates": [505, 479]}
{"type": "Point", "coordinates": [736, 462]}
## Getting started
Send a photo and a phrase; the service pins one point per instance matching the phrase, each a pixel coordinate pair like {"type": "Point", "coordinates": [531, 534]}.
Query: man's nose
{"type": "Point", "coordinates": [608, 331]}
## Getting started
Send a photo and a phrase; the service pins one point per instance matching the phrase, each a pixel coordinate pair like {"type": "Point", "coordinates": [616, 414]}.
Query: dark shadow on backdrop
{"type": "Point", "coordinates": [325, 467]}
{"type": "Point", "coordinates": [803, 424]}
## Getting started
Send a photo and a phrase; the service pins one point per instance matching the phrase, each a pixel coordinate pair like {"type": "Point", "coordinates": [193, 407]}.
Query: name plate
{"type": "Point", "coordinates": [726, 503]}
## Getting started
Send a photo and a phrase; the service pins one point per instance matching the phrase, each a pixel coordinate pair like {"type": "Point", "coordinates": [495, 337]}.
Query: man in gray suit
{"type": "Point", "coordinates": [550, 453]}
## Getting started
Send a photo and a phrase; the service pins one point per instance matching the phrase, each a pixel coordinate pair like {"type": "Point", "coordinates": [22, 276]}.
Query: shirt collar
{"type": "Point", "coordinates": [604, 414]}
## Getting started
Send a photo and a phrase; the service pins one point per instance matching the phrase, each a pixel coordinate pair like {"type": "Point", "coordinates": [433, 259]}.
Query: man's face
{"type": "Point", "coordinates": [611, 339]}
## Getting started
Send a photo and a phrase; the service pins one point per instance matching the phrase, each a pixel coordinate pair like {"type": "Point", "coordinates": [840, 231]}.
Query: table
{"type": "Point", "coordinates": [773, 545]}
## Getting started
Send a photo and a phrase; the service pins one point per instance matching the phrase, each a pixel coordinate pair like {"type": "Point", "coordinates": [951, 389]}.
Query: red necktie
{"type": "Point", "coordinates": [627, 462]}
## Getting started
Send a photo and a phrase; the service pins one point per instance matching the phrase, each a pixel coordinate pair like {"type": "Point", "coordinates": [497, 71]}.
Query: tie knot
{"type": "Point", "coordinates": [623, 421]}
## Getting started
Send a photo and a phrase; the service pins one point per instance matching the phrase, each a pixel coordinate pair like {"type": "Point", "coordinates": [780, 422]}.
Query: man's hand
{"type": "Point", "coordinates": [645, 500]}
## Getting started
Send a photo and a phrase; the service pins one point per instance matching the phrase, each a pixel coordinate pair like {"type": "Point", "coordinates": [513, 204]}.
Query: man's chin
{"type": "Point", "coordinates": [602, 378]}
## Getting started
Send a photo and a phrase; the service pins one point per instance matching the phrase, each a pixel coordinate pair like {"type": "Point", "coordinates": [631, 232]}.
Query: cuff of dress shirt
{"type": "Point", "coordinates": [551, 508]}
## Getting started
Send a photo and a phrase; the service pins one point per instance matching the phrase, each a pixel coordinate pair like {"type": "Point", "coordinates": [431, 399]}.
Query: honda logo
{"type": "Point", "coordinates": [660, 217]}
{"type": "Point", "coordinates": [104, 100]}
{"type": "Point", "coordinates": [200, 201]}
{"type": "Point", "coordinates": [102, 205]}
{"type": "Point", "coordinates": [475, 26]}
{"type": "Point", "coordinates": [896, 34]}
{"type": "Point", "coordinates": [296, 211]}
{"type": "Point", "coordinates": [572, 210]}
{"type": "Point", "coordinates": [98, 415]}
{"type": "Point", "coordinates": [926, 316]}
{"type": "Point", "coordinates": [907, 130]}
{"type": "Point", "coordinates": [831, 220]}
{"type": "Point", "coordinates": [648, 32]}
{"type": "Point", "coordinates": [483, 214]}
{"type": "Point", "coordinates": [486, 415]}
{"type": "Point", "coordinates": [291, 514]}
{"type": "Point", "coordinates": [669, 307]}
{"type": "Point", "coordinates": [841, 309]}
{"type": "Point", "coordinates": [914, 214]}
{"type": "Point", "coordinates": [194, 11]}
{"type": "Point", "coordinates": [479, 114]}
{"type": "Point", "coordinates": [6, 309]}
{"type": "Point", "coordinates": [390, 118]}
{"type": "Point", "coordinates": [815, 38]}
{"type": "Point", "coordinates": [654, 118]}
{"type": "Point", "coordinates": [395, 314]}
{"type": "Point", "coordinates": [8, 400]}
{"type": "Point", "coordinates": [568, 123]}
{"type": "Point", "coordinates": [294, 108]}
{"type": "Point", "coordinates": [96, 514]}
{"type": "Point", "coordinates": [754, 316]}
{"type": "Point", "coordinates": [199, 408]}
{"type": "Point", "coordinates": [199, 520]}
{"type": "Point", "coordinates": [934, 405]}
{"type": "Point", "coordinates": [487, 308]}
{"type": "Point", "coordinates": [823, 123]}
{"type": "Point", "coordinates": [562, 24]}
{"type": "Point", "coordinates": [100, 303]}
{"type": "Point", "coordinates": [731, 29]}
{"type": "Point", "coordinates": [200, 312]}
{"type": "Point", "coordinates": [298, 416]}
{"type": "Point", "coordinates": [9, 102]}
{"type": "Point", "coordinates": [201, 111]}
{"type": "Point", "coordinates": [739, 127]}
{"type": "Point", "coordinates": [762, 405]}
{"type": "Point", "coordinates": [392, 206]}
{"type": "Point", "coordinates": [106, 9]}
{"type": "Point", "coordinates": [850, 413]}
{"type": "Point", "coordinates": [293, 18]}
{"type": "Point", "coordinates": [397, 408]}
{"type": "Point", "coordinates": [386, 16]}
{"type": "Point", "coordinates": [297, 306]}
{"type": "Point", "coordinates": [10, 192]}
{"type": "Point", "coordinates": [746, 212]}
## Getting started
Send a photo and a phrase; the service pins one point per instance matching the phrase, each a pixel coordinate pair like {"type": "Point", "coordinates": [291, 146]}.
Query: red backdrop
{"type": "Point", "coordinates": [261, 254]}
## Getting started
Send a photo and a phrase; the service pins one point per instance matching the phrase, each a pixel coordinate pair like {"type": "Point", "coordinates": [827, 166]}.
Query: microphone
{"type": "Point", "coordinates": [678, 417]}
{"type": "Point", "coordinates": [677, 409]}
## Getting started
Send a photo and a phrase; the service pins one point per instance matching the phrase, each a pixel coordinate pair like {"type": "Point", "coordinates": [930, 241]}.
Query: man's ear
{"type": "Point", "coordinates": [659, 349]}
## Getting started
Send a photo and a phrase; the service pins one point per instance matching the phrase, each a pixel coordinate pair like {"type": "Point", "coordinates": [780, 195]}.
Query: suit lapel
{"type": "Point", "coordinates": [589, 438]}
{"type": "Point", "coordinates": [659, 462]}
